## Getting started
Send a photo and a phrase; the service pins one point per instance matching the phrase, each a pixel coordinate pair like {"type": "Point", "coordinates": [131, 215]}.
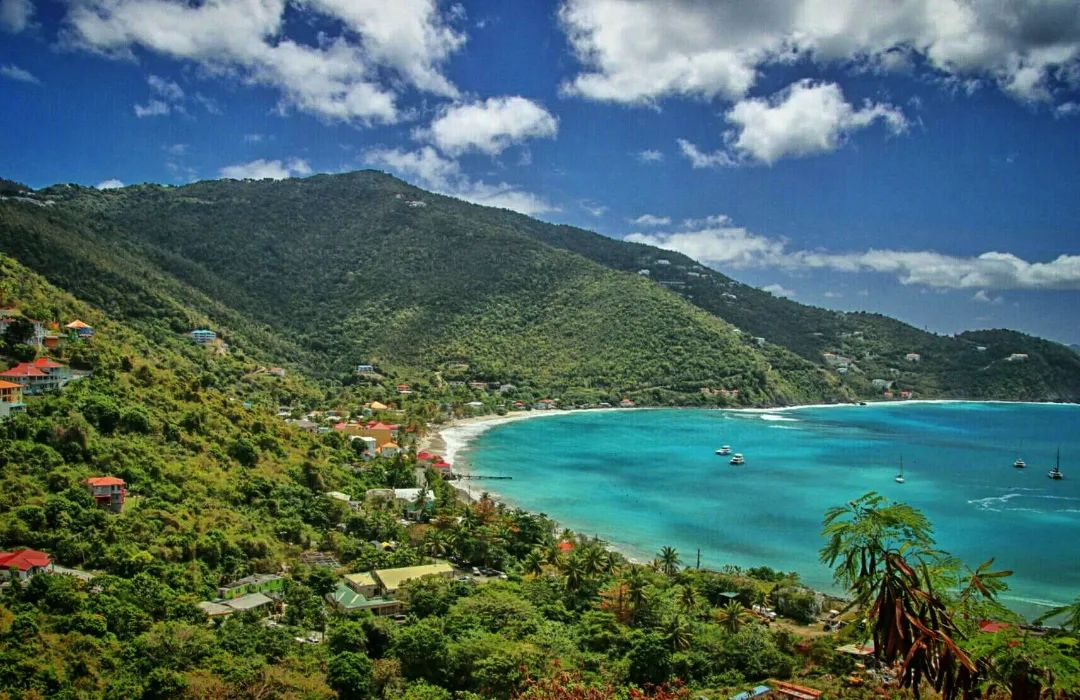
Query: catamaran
{"type": "Point", "coordinates": [1019, 463]}
{"type": "Point", "coordinates": [725, 450]}
{"type": "Point", "coordinates": [738, 459]}
{"type": "Point", "coordinates": [1055, 472]}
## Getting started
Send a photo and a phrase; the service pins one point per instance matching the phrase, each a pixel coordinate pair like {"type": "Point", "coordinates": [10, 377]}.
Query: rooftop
{"type": "Point", "coordinates": [392, 579]}
{"type": "Point", "coordinates": [23, 559]}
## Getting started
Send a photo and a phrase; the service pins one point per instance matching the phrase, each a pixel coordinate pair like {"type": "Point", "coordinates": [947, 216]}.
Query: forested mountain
{"type": "Point", "coordinates": [334, 270]}
{"type": "Point", "coordinates": [331, 271]}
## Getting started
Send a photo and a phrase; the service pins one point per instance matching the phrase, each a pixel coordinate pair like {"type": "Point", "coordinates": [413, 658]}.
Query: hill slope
{"type": "Point", "coordinates": [330, 271]}
{"type": "Point", "coordinates": [334, 270]}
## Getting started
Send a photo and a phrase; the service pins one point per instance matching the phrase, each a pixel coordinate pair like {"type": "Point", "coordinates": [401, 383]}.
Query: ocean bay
{"type": "Point", "coordinates": [643, 479]}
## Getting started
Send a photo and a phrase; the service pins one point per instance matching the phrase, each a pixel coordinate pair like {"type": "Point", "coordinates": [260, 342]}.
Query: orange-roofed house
{"type": "Point", "coordinates": [108, 491]}
{"type": "Point", "coordinates": [24, 563]}
{"type": "Point", "coordinates": [566, 546]}
{"type": "Point", "coordinates": [80, 329]}
{"type": "Point", "coordinates": [389, 449]}
{"type": "Point", "coordinates": [10, 398]}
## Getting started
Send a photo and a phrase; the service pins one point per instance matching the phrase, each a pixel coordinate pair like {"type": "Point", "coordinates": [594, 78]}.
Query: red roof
{"type": "Point", "coordinates": [565, 546]}
{"type": "Point", "coordinates": [9, 385]}
{"type": "Point", "coordinates": [379, 425]}
{"type": "Point", "coordinates": [23, 369]}
{"type": "Point", "coordinates": [992, 626]}
{"type": "Point", "coordinates": [424, 455]}
{"type": "Point", "coordinates": [104, 481]}
{"type": "Point", "coordinates": [46, 363]}
{"type": "Point", "coordinates": [23, 559]}
{"type": "Point", "coordinates": [441, 464]}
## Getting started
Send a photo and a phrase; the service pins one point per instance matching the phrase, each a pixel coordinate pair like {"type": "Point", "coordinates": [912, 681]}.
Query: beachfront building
{"type": "Point", "coordinates": [23, 564]}
{"type": "Point", "coordinates": [108, 492]}
{"type": "Point", "coordinates": [383, 433]}
{"type": "Point", "coordinates": [202, 336]}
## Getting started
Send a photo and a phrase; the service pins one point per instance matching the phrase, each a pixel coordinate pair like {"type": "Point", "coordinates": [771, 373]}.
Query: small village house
{"type": "Point", "coordinates": [23, 564]}
{"type": "Point", "coordinates": [10, 398]}
{"type": "Point", "coordinates": [267, 584]}
{"type": "Point", "coordinates": [108, 492]}
{"type": "Point", "coordinates": [33, 380]}
{"type": "Point", "coordinates": [1017, 357]}
{"type": "Point", "coordinates": [390, 449]}
{"type": "Point", "coordinates": [80, 329]}
{"type": "Point", "coordinates": [913, 357]}
{"type": "Point", "coordinates": [202, 336]}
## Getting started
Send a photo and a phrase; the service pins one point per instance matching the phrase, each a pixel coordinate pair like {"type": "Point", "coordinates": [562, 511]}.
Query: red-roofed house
{"type": "Point", "coordinates": [425, 456]}
{"type": "Point", "coordinates": [34, 380]}
{"type": "Point", "coordinates": [991, 626]}
{"type": "Point", "coordinates": [108, 491]}
{"type": "Point", "coordinates": [566, 546]}
{"type": "Point", "coordinates": [24, 563]}
{"type": "Point", "coordinates": [54, 368]}
{"type": "Point", "coordinates": [441, 465]}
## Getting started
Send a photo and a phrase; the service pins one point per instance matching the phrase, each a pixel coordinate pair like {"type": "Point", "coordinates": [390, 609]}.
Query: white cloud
{"type": "Point", "coordinates": [1067, 109]}
{"type": "Point", "coordinates": [803, 119]}
{"type": "Point", "coordinates": [262, 169]}
{"type": "Point", "coordinates": [408, 36]}
{"type": "Point", "coordinates": [490, 126]}
{"type": "Point", "coordinates": [833, 295]}
{"type": "Point", "coordinates": [652, 220]}
{"type": "Point", "coordinates": [167, 89]}
{"type": "Point", "coordinates": [253, 138]}
{"type": "Point", "coordinates": [15, 15]}
{"type": "Point", "coordinates": [337, 78]}
{"type": "Point", "coordinates": [650, 156]}
{"type": "Point", "coordinates": [640, 52]}
{"type": "Point", "coordinates": [716, 241]}
{"type": "Point", "coordinates": [436, 172]}
{"type": "Point", "coordinates": [13, 72]}
{"type": "Point", "coordinates": [701, 159]}
{"type": "Point", "coordinates": [153, 108]}
{"type": "Point", "coordinates": [176, 149]}
{"type": "Point", "coordinates": [778, 290]}
{"type": "Point", "coordinates": [110, 184]}
{"type": "Point", "coordinates": [983, 298]}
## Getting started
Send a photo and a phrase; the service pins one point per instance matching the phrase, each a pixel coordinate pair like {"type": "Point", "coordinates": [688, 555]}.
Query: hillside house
{"type": "Point", "coordinates": [80, 330]}
{"type": "Point", "coordinates": [267, 584]}
{"type": "Point", "coordinates": [408, 498]}
{"type": "Point", "coordinates": [390, 580]}
{"type": "Point", "coordinates": [478, 385]}
{"type": "Point", "coordinates": [404, 389]}
{"type": "Point", "coordinates": [390, 449]}
{"type": "Point", "coordinates": [23, 564]}
{"type": "Point", "coordinates": [382, 432]}
{"type": "Point", "coordinates": [347, 599]}
{"type": "Point", "coordinates": [913, 357]}
{"type": "Point", "coordinates": [1017, 357]}
{"type": "Point", "coordinates": [54, 369]}
{"type": "Point", "coordinates": [371, 446]}
{"type": "Point", "coordinates": [10, 398]}
{"type": "Point", "coordinates": [365, 369]}
{"type": "Point", "coordinates": [108, 492]}
{"type": "Point", "coordinates": [33, 380]}
{"type": "Point", "coordinates": [202, 336]}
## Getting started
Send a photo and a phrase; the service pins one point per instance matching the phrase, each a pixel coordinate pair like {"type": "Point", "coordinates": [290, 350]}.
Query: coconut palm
{"type": "Point", "coordinates": [732, 616]}
{"type": "Point", "coordinates": [574, 574]}
{"type": "Point", "coordinates": [678, 633]}
{"type": "Point", "coordinates": [669, 560]}
{"type": "Point", "coordinates": [636, 593]}
{"type": "Point", "coordinates": [592, 560]}
{"type": "Point", "coordinates": [532, 564]}
{"type": "Point", "coordinates": [687, 599]}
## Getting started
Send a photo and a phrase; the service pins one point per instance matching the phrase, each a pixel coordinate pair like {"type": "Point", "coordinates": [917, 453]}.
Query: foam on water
{"type": "Point", "coordinates": [647, 478]}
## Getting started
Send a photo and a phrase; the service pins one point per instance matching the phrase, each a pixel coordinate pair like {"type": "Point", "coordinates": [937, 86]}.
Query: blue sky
{"type": "Point", "coordinates": [917, 158]}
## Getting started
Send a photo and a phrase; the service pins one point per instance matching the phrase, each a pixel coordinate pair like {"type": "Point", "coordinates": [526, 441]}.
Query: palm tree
{"type": "Point", "coordinates": [636, 593]}
{"type": "Point", "coordinates": [438, 544]}
{"type": "Point", "coordinates": [574, 574]}
{"type": "Point", "coordinates": [532, 564]}
{"type": "Point", "coordinates": [669, 560]}
{"type": "Point", "coordinates": [677, 632]}
{"type": "Point", "coordinates": [687, 599]}
{"type": "Point", "coordinates": [592, 560]}
{"type": "Point", "coordinates": [732, 616]}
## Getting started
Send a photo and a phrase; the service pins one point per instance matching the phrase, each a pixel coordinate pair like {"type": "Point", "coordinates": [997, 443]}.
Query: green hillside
{"type": "Point", "coordinates": [331, 271]}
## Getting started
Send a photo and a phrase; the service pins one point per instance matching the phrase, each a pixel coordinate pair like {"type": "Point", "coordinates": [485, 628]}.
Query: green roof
{"type": "Point", "coordinates": [347, 598]}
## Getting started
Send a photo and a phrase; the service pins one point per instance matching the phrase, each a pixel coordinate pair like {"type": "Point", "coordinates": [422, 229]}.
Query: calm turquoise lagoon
{"type": "Point", "coordinates": [642, 479]}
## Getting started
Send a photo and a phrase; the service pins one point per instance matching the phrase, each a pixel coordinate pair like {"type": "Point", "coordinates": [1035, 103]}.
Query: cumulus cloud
{"type": "Point", "coordinates": [649, 156]}
{"type": "Point", "coordinates": [168, 96]}
{"type": "Point", "coordinates": [982, 297]}
{"type": "Point", "coordinates": [266, 169]}
{"type": "Point", "coordinates": [153, 108]}
{"type": "Point", "coordinates": [337, 78]}
{"type": "Point", "coordinates": [778, 290]}
{"type": "Point", "coordinates": [640, 52]}
{"type": "Point", "coordinates": [444, 175]}
{"type": "Point", "coordinates": [805, 118]}
{"type": "Point", "coordinates": [717, 241]}
{"type": "Point", "coordinates": [110, 184]}
{"type": "Point", "coordinates": [13, 72]}
{"type": "Point", "coordinates": [652, 220]}
{"type": "Point", "coordinates": [15, 15]}
{"type": "Point", "coordinates": [490, 126]}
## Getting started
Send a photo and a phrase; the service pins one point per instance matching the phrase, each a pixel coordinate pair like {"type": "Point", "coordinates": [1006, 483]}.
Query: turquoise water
{"type": "Point", "coordinates": [647, 478]}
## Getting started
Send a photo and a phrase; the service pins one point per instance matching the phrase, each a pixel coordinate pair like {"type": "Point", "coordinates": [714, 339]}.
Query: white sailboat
{"type": "Point", "coordinates": [900, 477]}
{"type": "Point", "coordinates": [1055, 472]}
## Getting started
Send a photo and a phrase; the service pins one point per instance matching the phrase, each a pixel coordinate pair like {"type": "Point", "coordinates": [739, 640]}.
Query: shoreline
{"type": "Point", "coordinates": [455, 436]}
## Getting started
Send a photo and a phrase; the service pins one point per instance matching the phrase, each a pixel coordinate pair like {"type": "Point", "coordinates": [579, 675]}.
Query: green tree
{"type": "Point", "coordinates": [349, 674]}
{"type": "Point", "coordinates": [669, 560]}
{"type": "Point", "coordinates": [732, 616]}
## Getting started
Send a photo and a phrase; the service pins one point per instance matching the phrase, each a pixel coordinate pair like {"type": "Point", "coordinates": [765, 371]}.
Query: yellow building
{"type": "Point", "coordinates": [390, 580]}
